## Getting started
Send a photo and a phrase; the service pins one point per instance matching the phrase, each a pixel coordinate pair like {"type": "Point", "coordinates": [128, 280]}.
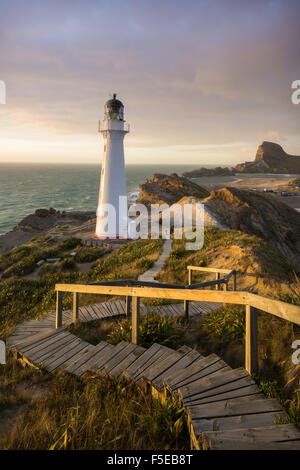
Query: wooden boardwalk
{"type": "Point", "coordinates": [225, 409]}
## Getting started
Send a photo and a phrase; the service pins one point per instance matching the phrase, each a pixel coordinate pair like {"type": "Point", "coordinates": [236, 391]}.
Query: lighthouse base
{"type": "Point", "coordinates": [106, 237]}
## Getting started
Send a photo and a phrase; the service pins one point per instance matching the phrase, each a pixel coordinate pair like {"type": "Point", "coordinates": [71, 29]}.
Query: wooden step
{"type": "Point", "coordinates": [109, 353]}
{"type": "Point", "coordinates": [214, 385]}
{"type": "Point", "coordinates": [144, 361]}
{"type": "Point", "coordinates": [90, 363]}
{"type": "Point", "coordinates": [285, 436]}
{"type": "Point", "coordinates": [200, 368]}
{"type": "Point", "coordinates": [185, 361]}
{"type": "Point", "coordinates": [127, 362]}
{"type": "Point", "coordinates": [120, 357]}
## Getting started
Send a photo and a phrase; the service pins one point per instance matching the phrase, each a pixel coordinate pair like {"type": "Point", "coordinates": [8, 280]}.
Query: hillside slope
{"type": "Point", "coordinates": [259, 214]}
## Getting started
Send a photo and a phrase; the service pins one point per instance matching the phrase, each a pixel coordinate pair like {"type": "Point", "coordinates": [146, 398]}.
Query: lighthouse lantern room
{"type": "Point", "coordinates": [112, 212]}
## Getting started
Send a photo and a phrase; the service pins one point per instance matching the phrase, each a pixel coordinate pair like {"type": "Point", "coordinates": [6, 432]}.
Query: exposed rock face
{"type": "Point", "coordinates": [259, 214]}
{"type": "Point", "coordinates": [168, 189]}
{"type": "Point", "coordinates": [271, 158]}
{"type": "Point", "coordinates": [219, 171]}
{"type": "Point", "coordinates": [44, 219]}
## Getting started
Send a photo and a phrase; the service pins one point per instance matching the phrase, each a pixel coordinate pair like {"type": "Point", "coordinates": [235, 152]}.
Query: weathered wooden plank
{"type": "Point", "coordinates": [251, 348]}
{"type": "Point", "coordinates": [59, 295]}
{"type": "Point", "coordinates": [209, 270]}
{"type": "Point", "coordinates": [74, 365]}
{"type": "Point", "coordinates": [118, 358]}
{"type": "Point", "coordinates": [31, 342]}
{"type": "Point", "coordinates": [238, 297]}
{"type": "Point", "coordinates": [197, 370]}
{"type": "Point", "coordinates": [234, 407]}
{"type": "Point", "coordinates": [285, 433]}
{"type": "Point", "coordinates": [157, 358]}
{"type": "Point", "coordinates": [208, 383]}
{"type": "Point", "coordinates": [135, 319]}
{"type": "Point", "coordinates": [54, 339]}
{"type": "Point", "coordinates": [22, 338]}
{"type": "Point", "coordinates": [99, 311]}
{"type": "Point", "coordinates": [83, 316]}
{"type": "Point", "coordinates": [71, 352]}
{"type": "Point", "coordinates": [126, 362]}
{"type": "Point", "coordinates": [189, 358]}
{"type": "Point", "coordinates": [162, 366]}
{"type": "Point", "coordinates": [207, 389]}
{"type": "Point", "coordinates": [75, 307]}
{"type": "Point", "coordinates": [235, 393]}
{"type": "Point", "coordinates": [146, 359]}
{"type": "Point", "coordinates": [237, 422]}
{"type": "Point", "coordinates": [50, 349]}
{"type": "Point", "coordinates": [54, 357]}
{"type": "Point", "coordinates": [103, 354]}
{"type": "Point", "coordinates": [101, 363]}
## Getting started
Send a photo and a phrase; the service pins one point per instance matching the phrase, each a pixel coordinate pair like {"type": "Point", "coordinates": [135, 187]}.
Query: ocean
{"type": "Point", "coordinates": [27, 187]}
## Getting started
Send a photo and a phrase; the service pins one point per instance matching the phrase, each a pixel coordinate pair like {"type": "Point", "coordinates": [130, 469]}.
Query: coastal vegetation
{"type": "Point", "coordinates": [23, 299]}
{"type": "Point", "coordinates": [62, 412]}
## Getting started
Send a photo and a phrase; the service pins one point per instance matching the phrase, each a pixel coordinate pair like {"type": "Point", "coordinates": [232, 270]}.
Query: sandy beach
{"type": "Point", "coordinates": [260, 183]}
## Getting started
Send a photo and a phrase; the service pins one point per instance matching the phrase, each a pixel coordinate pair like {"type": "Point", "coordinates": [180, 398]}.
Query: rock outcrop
{"type": "Point", "coordinates": [218, 171]}
{"type": "Point", "coordinates": [168, 189]}
{"type": "Point", "coordinates": [259, 214]}
{"type": "Point", "coordinates": [271, 158]}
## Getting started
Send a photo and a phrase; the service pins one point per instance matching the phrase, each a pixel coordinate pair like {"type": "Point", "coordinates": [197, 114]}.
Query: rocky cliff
{"type": "Point", "coordinates": [259, 214]}
{"type": "Point", "coordinates": [271, 158]}
{"type": "Point", "coordinates": [168, 189]}
{"type": "Point", "coordinates": [218, 171]}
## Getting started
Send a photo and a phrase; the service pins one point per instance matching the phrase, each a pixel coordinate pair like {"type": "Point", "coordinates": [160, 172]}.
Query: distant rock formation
{"type": "Point", "coordinates": [218, 171]}
{"type": "Point", "coordinates": [271, 158]}
{"type": "Point", "coordinates": [168, 189]}
{"type": "Point", "coordinates": [259, 214]}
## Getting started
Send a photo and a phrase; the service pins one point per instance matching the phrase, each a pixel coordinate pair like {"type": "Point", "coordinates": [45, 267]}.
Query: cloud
{"type": "Point", "coordinates": [210, 74]}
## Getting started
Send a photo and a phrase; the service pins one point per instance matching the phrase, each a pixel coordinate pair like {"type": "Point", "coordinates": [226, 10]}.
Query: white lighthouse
{"type": "Point", "coordinates": [112, 213]}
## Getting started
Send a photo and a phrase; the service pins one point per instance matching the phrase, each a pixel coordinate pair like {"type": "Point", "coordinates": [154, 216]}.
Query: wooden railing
{"type": "Point", "coordinates": [217, 283]}
{"type": "Point", "coordinates": [134, 292]}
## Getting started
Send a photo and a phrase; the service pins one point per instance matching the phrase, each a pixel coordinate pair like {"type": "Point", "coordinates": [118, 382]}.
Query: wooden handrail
{"type": "Point", "coordinates": [209, 270]}
{"type": "Point", "coordinates": [252, 303]}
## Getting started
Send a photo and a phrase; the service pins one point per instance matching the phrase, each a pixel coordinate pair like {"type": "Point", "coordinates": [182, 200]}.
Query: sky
{"type": "Point", "coordinates": [202, 81]}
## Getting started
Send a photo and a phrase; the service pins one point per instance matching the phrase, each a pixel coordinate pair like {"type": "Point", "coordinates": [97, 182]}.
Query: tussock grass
{"type": "Point", "coordinates": [22, 299]}
{"type": "Point", "coordinates": [97, 413]}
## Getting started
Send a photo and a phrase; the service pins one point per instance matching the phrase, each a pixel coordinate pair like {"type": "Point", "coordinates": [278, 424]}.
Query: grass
{"type": "Point", "coordinates": [22, 299]}
{"type": "Point", "coordinates": [223, 333]}
{"type": "Point", "coordinates": [96, 413]}
{"type": "Point", "coordinates": [153, 329]}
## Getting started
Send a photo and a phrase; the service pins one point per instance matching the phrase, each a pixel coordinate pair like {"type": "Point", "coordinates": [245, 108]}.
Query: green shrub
{"type": "Point", "coordinates": [227, 323]}
{"type": "Point", "coordinates": [89, 254]}
{"type": "Point", "coordinates": [145, 263]}
{"type": "Point", "coordinates": [153, 329]}
{"type": "Point", "coordinates": [69, 243]}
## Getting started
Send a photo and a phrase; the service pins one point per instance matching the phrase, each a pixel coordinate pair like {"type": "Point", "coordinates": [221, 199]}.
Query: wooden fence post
{"type": "Point", "coordinates": [128, 305]}
{"type": "Point", "coordinates": [186, 302]}
{"type": "Point", "coordinates": [234, 280]}
{"type": "Point", "coordinates": [135, 319]}
{"type": "Point", "coordinates": [75, 306]}
{"type": "Point", "coordinates": [251, 359]}
{"type": "Point", "coordinates": [217, 278]}
{"type": "Point", "coordinates": [59, 295]}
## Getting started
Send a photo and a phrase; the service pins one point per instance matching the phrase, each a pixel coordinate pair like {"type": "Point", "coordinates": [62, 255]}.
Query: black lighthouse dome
{"type": "Point", "coordinates": [114, 109]}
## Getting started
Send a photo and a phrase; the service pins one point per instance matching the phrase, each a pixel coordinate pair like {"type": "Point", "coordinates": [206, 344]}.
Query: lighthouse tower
{"type": "Point", "coordinates": [112, 213]}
